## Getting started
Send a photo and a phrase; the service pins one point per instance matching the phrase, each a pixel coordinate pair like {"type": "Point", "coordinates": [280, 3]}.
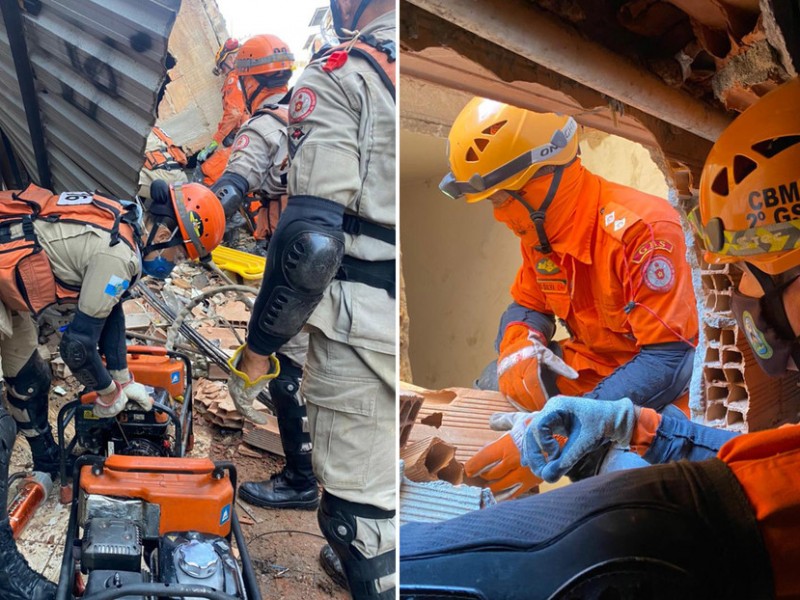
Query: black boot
{"type": "Point", "coordinates": [332, 566]}
{"type": "Point", "coordinates": [17, 580]}
{"type": "Point", "coordinates": [278, 492]}
{"type": "Point", "coordinates": [27, 397]}
{"type": "Point", "coordinates": [295, 486]}
{"type": "Point", "coordinates": [46, 455]}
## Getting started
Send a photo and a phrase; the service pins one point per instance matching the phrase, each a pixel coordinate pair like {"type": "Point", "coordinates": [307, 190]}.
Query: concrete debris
{"type": "Point", "coordinates": [212, 400]}
{"type": "Point", "coordinates": [216, 373]}
{"type": "Point", "coordinates": [264, 437]}
{"type": "Point", "coordinates": [465, 417]}
{"type": "Point", "coordinates": [433, 419]}
{"type": "Point", "coordinates": [435, 501]}
{"type": "Point", "coordinates": [410, 403]}
{"type": "Point", "coordinates": [235, 312]}
{"type": "Point", "coordinates": [245, 450]}
{"type": "Point", "coordinates": [59, 368]}
{"type": "Point", "coordinates": [225, 338]}
{"type": "Point", "coordinates": [432, 459]}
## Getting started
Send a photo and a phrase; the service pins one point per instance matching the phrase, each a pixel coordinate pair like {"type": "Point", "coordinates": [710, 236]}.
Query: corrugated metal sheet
{"type": "Point", "coordinates": [98, 66]}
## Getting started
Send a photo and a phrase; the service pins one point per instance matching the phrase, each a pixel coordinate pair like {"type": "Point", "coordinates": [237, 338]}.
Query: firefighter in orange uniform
{"type": "Point", "coordinates": [86, 250]}
{"type": "Point", "coordinates": [742, 496]}
{"type": "Point", "coordinates": [607, 260]}
{"type": "Point", "coordinates": [234, 113]}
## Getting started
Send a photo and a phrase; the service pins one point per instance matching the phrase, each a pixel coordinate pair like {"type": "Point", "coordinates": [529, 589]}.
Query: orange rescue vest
{"type": "Point", "coordinates": [158, 159]}
{"type": "Point", "coordinates": [27, 281]}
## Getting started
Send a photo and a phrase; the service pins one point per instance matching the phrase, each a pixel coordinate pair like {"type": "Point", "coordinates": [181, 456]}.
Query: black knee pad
{"type": "Point", "coordinates": [646, 533]}
{"type": "Point", "coordinates": [28, 391]}
{"type": "Point", "coordinates": [32, 381]}
{"type": "Point", "coordinates": [337, 521]}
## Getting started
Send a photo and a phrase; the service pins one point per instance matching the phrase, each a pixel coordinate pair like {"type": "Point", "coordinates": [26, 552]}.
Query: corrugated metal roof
{"type": "Point", "coordinates": [98, 66]}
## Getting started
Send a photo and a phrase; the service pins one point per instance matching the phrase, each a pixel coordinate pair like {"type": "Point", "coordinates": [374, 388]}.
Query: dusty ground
{"type": "Point", "coordinates": [284, 545]}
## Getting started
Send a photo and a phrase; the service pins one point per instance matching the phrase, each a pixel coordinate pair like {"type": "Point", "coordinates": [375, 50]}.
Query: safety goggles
{"type": "Point", "coordinates": [479, 183]}
{"type": "Point", "coordinates": [773, 237]}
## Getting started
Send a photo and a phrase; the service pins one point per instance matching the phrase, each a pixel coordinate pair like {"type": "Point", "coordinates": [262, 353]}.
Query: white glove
{"type": "Point", "coordinates": [136, 393]}
{"type": "Point", "coordinates": [244, 391]}
{"type": "Point", "coordinates": [113, 408]}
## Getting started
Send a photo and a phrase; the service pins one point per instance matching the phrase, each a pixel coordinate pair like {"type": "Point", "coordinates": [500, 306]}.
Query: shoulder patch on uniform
{"type": "Point", "coordinates": [617, 219]}
{"type": "Point", "coordinates": [116, 286]}
{"type": "Point", "coordinates": [642, 251]}
{"type": "Point", "coordinates": [659, 274]}
{"type": "Point", "coordinates": [241, 142]}
{"type": "Point", "coordinates": [546, 266]}
{"type": "Point", "coordinates": [302, 104]}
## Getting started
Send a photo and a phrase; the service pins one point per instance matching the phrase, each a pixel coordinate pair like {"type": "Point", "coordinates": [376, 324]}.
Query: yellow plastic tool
{"type": "Point", "coordinates": [247, 266]}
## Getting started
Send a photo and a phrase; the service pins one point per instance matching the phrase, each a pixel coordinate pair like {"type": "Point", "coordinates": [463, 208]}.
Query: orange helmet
{"type": "Point", "coordinates": [264, 54]}
{"type": "Point", "coordinates": [750, 186]}
{"type": "Point", "coordinates": [200, 217]}
{"type": "Point", "coordinates": [494, 146]}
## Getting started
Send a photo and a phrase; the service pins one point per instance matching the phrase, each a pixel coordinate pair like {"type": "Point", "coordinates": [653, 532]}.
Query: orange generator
{"type": "Point", "coordinates": [147, 527]}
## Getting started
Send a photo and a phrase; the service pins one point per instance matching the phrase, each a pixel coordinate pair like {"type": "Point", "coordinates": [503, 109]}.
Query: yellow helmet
{"type": "Point", "coordinates": [494, 146]}
{"type": "Point", "coordinates": [750, 186]}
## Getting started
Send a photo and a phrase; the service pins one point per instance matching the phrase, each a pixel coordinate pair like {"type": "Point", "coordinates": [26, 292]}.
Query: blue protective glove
{"type": "Point", "coordinates": [585, 422]}
{"type": "Point", "coordinates": [207, 151]}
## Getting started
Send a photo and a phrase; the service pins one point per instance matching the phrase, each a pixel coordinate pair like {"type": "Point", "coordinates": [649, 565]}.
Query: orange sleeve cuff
{"type": "Point", "coordinates": [645, 431]}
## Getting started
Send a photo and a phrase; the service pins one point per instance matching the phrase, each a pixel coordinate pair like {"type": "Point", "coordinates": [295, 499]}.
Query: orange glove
{"type": "Point", "coordinates": [523, 353]}
{"type": "Point", "coordinates": [499, 464]}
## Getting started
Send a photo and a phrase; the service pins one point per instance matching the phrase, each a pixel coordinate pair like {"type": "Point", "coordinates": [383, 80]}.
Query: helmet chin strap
{"type": "Point", "coordinates": [537, 216]}
{"type": "Point", "coordinates": [772, 302]}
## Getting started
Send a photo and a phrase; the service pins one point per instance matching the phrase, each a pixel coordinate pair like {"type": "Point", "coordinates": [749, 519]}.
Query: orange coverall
{"type": "Point", "coordinates": [234, 111]}
{"type": "Point", "coordinates": [617, 277]}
